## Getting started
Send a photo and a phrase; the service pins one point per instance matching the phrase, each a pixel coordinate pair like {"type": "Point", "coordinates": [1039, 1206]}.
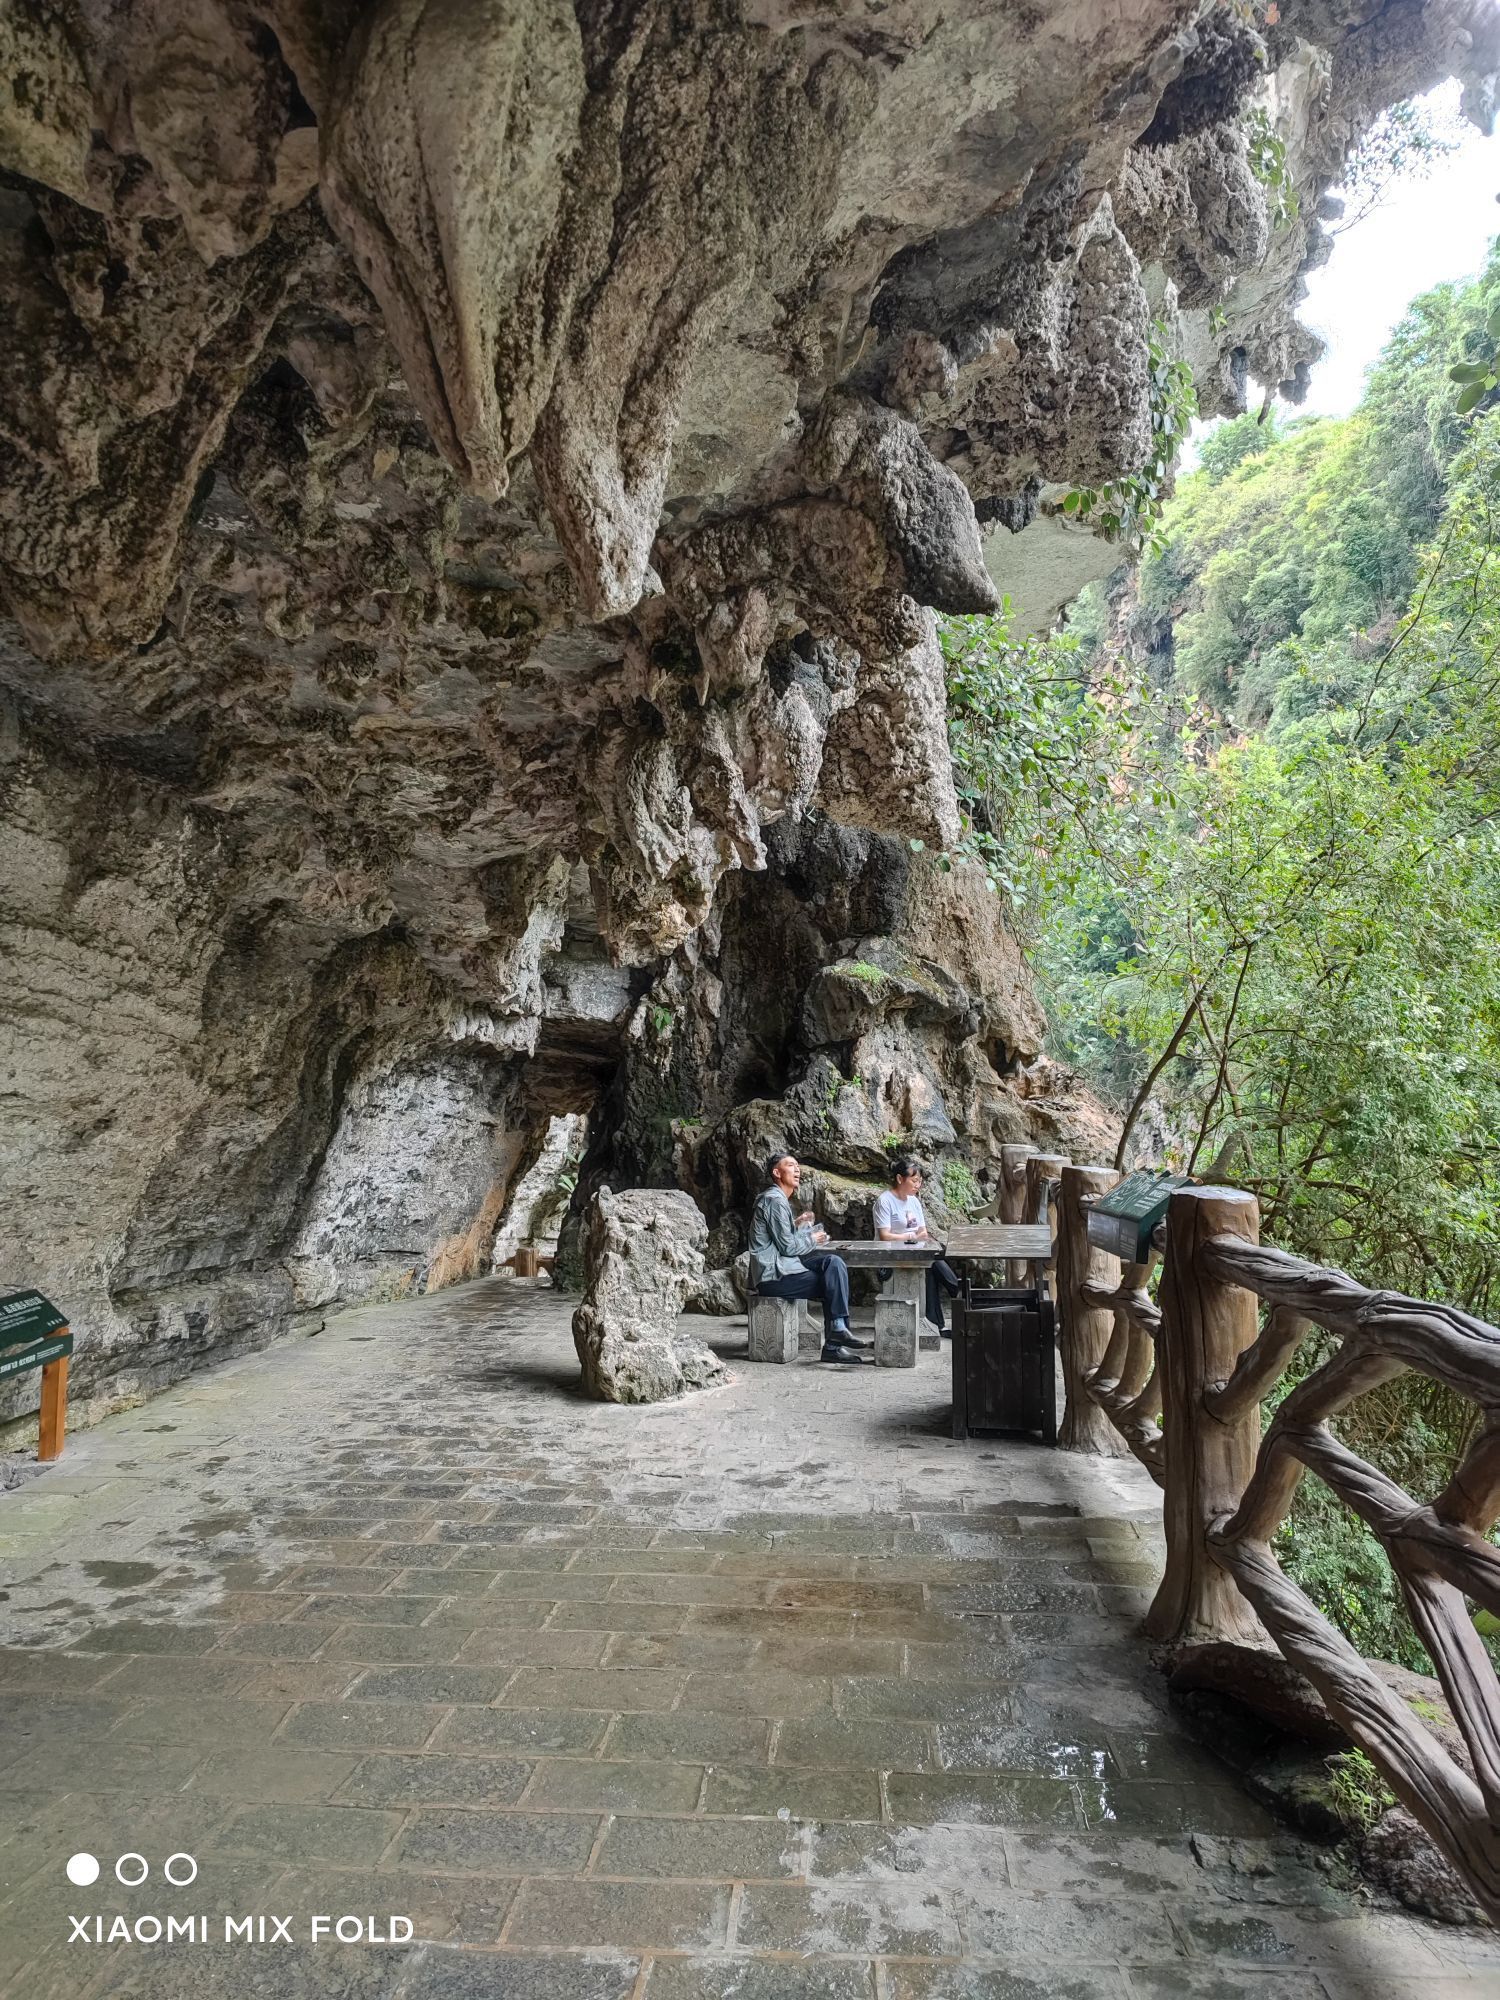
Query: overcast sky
{"type": "Point", "coordinates": [1424, 231]}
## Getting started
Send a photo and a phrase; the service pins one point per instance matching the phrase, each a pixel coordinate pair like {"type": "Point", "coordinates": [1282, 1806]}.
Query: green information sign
{"type": "Point", "coordinates": [27, 1316]}
{"type": "Point", "coordinates": [16, 1360]}
{"type": "Point", "coordinates": [1121, 1221]}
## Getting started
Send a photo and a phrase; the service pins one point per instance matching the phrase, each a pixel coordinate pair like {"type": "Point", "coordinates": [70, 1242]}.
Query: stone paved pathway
{"type": "Point", "coordinates": [777, 1694]}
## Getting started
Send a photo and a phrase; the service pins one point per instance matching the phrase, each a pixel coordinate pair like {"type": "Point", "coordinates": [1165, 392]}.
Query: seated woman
{"type": "Point", "coordinates": [899, 1219]}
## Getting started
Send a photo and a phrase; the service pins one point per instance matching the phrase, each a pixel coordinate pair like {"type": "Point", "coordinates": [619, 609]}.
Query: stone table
{"type": "Point", "coordinates": [901, 1312]}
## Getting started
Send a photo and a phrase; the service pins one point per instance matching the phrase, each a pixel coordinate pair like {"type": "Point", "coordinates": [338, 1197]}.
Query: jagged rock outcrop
{"type": "Point", "coordinates": [642, 1260]}
{"type": "Point", "coordinates": [476, 481]}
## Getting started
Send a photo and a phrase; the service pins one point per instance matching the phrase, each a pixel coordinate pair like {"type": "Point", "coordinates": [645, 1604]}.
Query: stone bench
{"type": "Point", "coordinates": [775, 1328]}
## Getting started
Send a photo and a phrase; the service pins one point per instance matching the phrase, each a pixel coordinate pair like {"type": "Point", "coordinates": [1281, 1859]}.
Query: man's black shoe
{"type": "Point", "coordinates": [853, 1340]}
{"type": "Point", "coordinates": [833, 1351]}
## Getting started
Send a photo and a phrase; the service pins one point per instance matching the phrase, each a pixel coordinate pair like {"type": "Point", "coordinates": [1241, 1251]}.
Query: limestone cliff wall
{"type": "Point", "coordinates": [475, 487]}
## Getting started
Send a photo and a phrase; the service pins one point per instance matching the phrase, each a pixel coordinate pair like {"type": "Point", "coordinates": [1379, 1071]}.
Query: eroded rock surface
{"type": "Point", "coordinates": [642, 1260]}
{"type": "Point", "coordinates": [476, 482]}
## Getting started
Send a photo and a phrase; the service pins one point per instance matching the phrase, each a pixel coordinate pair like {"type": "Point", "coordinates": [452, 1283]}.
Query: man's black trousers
{"type": "Point", "coordinates": [824, 1276]}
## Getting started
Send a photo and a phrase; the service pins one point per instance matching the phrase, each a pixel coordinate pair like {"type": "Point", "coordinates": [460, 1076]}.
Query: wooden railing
{"type": "Point", "coordinates": [1179, 1383]}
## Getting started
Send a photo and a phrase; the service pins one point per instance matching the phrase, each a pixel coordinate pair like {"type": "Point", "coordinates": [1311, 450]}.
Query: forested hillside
{"type": "Point", "coordinates": [1248, 808]}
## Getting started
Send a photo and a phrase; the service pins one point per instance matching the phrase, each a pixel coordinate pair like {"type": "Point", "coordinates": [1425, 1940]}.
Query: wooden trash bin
{"type": "Point", "coordinates": [1004, 1362]}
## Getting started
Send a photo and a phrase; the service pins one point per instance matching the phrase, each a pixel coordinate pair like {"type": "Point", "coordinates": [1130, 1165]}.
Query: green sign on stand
{"type": "Point", "coordinates": [1121, 1221]}
{"type": "Point", "coordinates": [16, 1360]}
{"type": "Point", "coordinates": [27, 1316]}
{"type": "Point", "coordinates": [27, 1322]}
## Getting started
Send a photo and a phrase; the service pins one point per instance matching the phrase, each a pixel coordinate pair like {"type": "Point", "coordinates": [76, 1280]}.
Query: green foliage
{"type": "Point", "coordinates": [1128, 509]}
{"type": "Point", "coordinates": [1479, 376]}
{"type": "Point", "coordinates": [1256, 861]}
{"type": "Point", "coordinates": [1283, 561]}
{"type": "Point", "coordinates": [1404, 143]}
{"type": "Point", "coordinates": [661, 1018]}
{"type": "Point", "coordinates": [961, 1192]}
{"type": "Point", "coordinates": [1360, 1795]}
{"type": "Point", "coordinates": [867, 974]}
{"type": "Point", "coordinates": [1269, 166]}
{"type": "Point", "coordinates": [1230, 443]}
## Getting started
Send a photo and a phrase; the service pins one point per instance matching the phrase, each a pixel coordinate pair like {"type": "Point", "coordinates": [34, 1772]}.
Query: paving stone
{"type": "Point", "coordinates": [216, 1723]}
{"type": "Point", "coordinates": [702, 1849]}
{"type": "Point", "coordinates": [982, 1801]}
{"type": "Point", "coordinates": [331, 1609]}
{"type": "Point", "coordinates": [906, 1919]}
{"type": "Point", "coordinates": [1142, 1807]}
{"type": "Point", "coordinates": [965, 1748]}
{"type": "Point", "coordinates": [664, 1915]}
{"type": "Point", "coordinates": [864, 1745]}
{"type": "Point", "coordinates": [957, 1703]}
{"type": "Point", "coordinates": [1186, 1982]}
{"type": "Point", "coordinates": [802, 1671]}
{"type": "Point", "coordinates": [355, 1725]}
{"type": "Point", "coordinates": [758, 1693]}
{"type": "Point", "coordinates": [60, 1673]}
{"type": "Point", "coordinates": [476, 1685]}
{"type": "Point", "coordinates": [976, 1982]}
{"type": "Point", "coordinates": [133, 1635]}
{"type": "Point", "coordinates": [823, 1594]}
{"type": "Point", "coordinates": [1368, 1944]}
{"type": "Point", "coordinates": [272, 1771]}
{"type": "Point", "coordinates": [740, 1593]}
{"type": "Point", "coordinates": [230, 1972]}
{"type": "Point", "coordinates": [517, 1975]}
{"type": "Point", "coordinates": [487, 1731]}
{"type": "Point", "coordinates": [276, 1641]}
{"type": "Point", "coordinates": [830, 1656]}
{"type": "Point", "coordinates": [436, 1778]}
{"type": "Point", "coordinates": [616, 1787]}
{"type": "Point", "coordinates": [296, 1680]}
{"type": "Point", "coordinates": [311, 1833]}
{"type": "Point", "coordinates": [1333, 1985]}
{"type": "Point", "coordinates": [690, 1649]}
{"type": "Point", "coordinates": [641, 1562]}
{"type": "Point", "coordinates": [348, 1579]}
{"type": "Point", "coordinates": [616, 1615]}
{"type": "Point", "coordinates": [759, 1979]}
{"type": "Point", "coordinates": [498, 1843]}
{"type": "Point", "coordinates": [486, 1613]}
{"type": "Point", "coordinates": [687, 1735]}
{"type": "Point", "coordinates": [623, 1689]}
{"type": "Point", "coordinates": [516, 1647]}
{"type": "Point", "coordinates": [425, 1581]}
{"type": "Point", "coordinates": [778, 1791]}
{"type": "Point", "coordinates": [757, 1622]}
{"type": "Point", "coordinates": [31, 1721]}
{"type": "Point", "coordinates": [107, 1766]}
{"type": "Point", "coordinates": [404, 1643]}
{"type": "Point", "coordinates": [1066, 1930]}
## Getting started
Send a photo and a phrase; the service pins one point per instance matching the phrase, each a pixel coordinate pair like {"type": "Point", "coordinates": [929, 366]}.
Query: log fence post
{"type": "Point", "coordinates": [1083, 1330]}
{"type": "Point", "coordinates": [1205, 1327]}
{"type": "Point", "coordinates": [1013, 1199]}
{"type": "Point", "coordinates": [1040, 1169]}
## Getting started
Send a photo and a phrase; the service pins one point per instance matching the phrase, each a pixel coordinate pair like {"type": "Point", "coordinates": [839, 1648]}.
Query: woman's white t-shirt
{"type": "Point", "coordinates": [898, 1212]}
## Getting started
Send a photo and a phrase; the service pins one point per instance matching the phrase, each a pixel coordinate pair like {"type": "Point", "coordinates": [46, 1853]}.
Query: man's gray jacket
{"type": "Point", "coordinates": [777, 1245]}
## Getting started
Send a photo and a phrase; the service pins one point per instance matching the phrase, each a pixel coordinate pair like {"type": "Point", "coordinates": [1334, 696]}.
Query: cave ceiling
{"type": "Point", "coordinates": [443, 437]}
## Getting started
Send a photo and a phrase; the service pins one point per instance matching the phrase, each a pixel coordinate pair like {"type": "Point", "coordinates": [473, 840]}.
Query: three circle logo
{"type": "Point", "coordinates": [131, 1870]}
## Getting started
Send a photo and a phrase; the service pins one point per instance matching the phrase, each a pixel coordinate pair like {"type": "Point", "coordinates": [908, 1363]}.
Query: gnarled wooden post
{"type": "Point", "coordinates": [1040, 1169]}
{"type": "Point", "coordinates": [1013, 1198]}
{"type": "Point", "coordinates": [1205, 1327]}
{"type": "Point", "coordinates": [1083, 1330]}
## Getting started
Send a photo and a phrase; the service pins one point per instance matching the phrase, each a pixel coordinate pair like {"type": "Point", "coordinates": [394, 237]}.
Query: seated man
{"type": "Point", "coordinates": [899, 1219]}
{"type": "Point", "coordinates": [785, 1262]}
